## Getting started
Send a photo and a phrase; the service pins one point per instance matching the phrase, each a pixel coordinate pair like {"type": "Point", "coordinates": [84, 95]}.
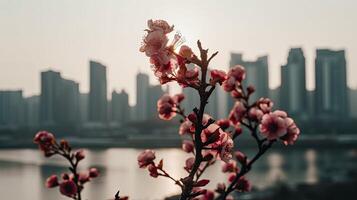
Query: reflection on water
{"type": "Point", "coordinates": [23, 172]}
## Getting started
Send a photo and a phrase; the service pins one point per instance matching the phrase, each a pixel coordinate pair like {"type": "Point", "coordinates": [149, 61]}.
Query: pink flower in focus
{"type": "Point", "coordinates": [52, 181]}
{"type": "Point", "coordinates": [93, 172]}
{"type": "Point", "coordinates": [189, 163]}
{"type": "Point", "coordinates": [161, 25]}
{"type": "Point", "coordinates": [68, 188]}
{"type": "Point", "coordinates": [273, 126]}
{"type": "Point", "coordinates": [265, 105]}
{"type": "Point", "coordinates": [217, 76]}
{"type": "Point", "coordinates": [211, 134]}
{"type": "Point", "coordinates": [166, 107]}
{"type": "Point", "coordinates": [154, 43]}
{"type": "Point", "coordinates": [292, 134]}
{"type": "Point", "coordinates": [237, 113]}
{"type": "Point", "coordinates": [146, 157]}
{"type": "Point", "coordinates": [226, 147]}
{"type": "Point", "coordinates": [188, 146]}
{"type": "Point", "coordinates": [186, 52]}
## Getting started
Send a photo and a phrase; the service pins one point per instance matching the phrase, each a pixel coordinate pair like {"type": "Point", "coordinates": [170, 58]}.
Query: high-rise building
{"type": "Point", "coordinates": [83, 107]}
{"type": "Point", "coordinates": [256, 74]}
{"type": "Point", "coordinates": [331, 86]}
{"type": "Point", "coordinates": [293, 84]}
{"type": "Point", "coordinates": [69, 104]}
{"type": "Point", "coordinates": [32, 111]}
{"type": "Point", "coordinates": [12, 108]}
{"type": "Point", "coordinates": [98, 108]}
{"type": "Point", "coordinates": [142, 86]}
{"type": "Point", "coordinates": [154, 93]}
{"type": "Point", "coordinates": [120, 109]}
{"type": "Point", "coordinates": [353, 100]}
{"type": "Point", "coordinates": [50, 97]}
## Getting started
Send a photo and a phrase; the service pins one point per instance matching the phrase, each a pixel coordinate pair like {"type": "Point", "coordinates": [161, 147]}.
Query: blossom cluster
{"type": "Point", "coordinates": [208, 140]}
{"type": "Point", "coordinates": [71, 184]}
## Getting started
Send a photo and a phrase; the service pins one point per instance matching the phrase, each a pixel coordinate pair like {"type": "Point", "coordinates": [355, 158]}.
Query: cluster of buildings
{"type": "Point", "coordinates": [61, 103]}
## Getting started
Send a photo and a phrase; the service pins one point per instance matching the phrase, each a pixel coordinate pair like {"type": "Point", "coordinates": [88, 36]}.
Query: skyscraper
{"type": "Point", "coordinates": [256, 75]}
{"type": "Point", "coordinates": [293, 83]}
{"type": "Point", "coordinates": [331, 86]}
{"type": "Point", "coordinates": [50, 97]}
{"type": "Point", "coordinates": [142, 86]}
{"type": "Point", "coordinates": [12, 108]}
{"type": "Point", "coordinates": [154, 93]}
{"type": "Point", "coordinates": [32, 111]}
{"type": "Point", "coordinates": [69, 104]}
{"type": "Point", "coordinates": [98, 108]}
{"type": "Point", "coordinates": [120, 107]}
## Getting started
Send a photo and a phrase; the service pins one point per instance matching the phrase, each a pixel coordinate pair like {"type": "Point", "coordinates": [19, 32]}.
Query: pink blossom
{"type": "Point", "coordinates": [229, 84]}
{"type": "Point", "coordinates": [273, 126]}
{"type": "Point", "coordinates": [189, 163]}
{"type": "Point", "coordinates": [93, 172]}
{"type": "Point", "coordinates": [217, 76]}
{"type": "Point", "coordinates": [292, 134]}
{"type": "Point", "coordinates": [230, 166]}
{"type": "Point", "coordinates": [45, 141]}
{"type": "Point", "coordinates": [161, 25]}
{"type": "Point", "coordinates": [188, 146]}
{"type": "Point", "coordinates": [83, 177]}
{"type": "Point", "coordinates": [186, 52]}
{"type": "Point", "coordinates": [211, 134]}
{"type": "Point", "coordinates": [241, 157]}
{"type": "Point", "coordinates": [238, 72]}
{"type": "Point", "coordinates": [154, 43]}
{"type": "Point", "coordinates": [153, 170]}
{"type": "Point", "coordinates": [68, 188]}
{"type": "Point", "coordinates": [231, 177]}
{"type": "Point", "coordinates": [146, 157]}
{"type": "Point", "coordinates": [223, 123]}
{"type": "Point", "coordinates": [265, 105]}
{"type": "Point", "coordinates": [79, 154]}
{"type": "Point", "coordinates": [237, 113]}
{"type": "Point", "coordinates": [52, 181]}
{"type": "Point", "coordinates": [255, 114]}
{"type": "Point", "coordinates": [201, 183]}
{"type": "Point", "coordinates": [166, 107]}
{"type": "Point", "coordinates": [178, 98]}
{"type": "Point", "coordinates": [226, 147]}
{"type": "Point", "coordinates": [65, 176]}
{"type": "Point", "coordinates": [186, 127]}
{"type": "Point", "coordinates": [243, 185]}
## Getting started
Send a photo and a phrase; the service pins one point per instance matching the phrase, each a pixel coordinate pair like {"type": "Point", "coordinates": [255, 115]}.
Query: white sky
{"type": "Point", "coordinates": [63, 35]}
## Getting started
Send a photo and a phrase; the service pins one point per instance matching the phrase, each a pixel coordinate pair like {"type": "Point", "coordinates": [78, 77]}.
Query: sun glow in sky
{"type": "Point", "coordinates": [37, 35]}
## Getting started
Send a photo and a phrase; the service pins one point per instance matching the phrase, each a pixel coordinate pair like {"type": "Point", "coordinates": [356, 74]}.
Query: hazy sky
{"type": "Point", "coordinates": [63, 35]}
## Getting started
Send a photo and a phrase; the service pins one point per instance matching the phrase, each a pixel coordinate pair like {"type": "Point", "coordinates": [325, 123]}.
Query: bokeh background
{"type": "Point", "coordinates": [73, 67]}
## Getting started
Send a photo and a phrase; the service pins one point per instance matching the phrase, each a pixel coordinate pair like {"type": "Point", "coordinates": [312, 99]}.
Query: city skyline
{"type": "Point", "coordinates": [61, 36]}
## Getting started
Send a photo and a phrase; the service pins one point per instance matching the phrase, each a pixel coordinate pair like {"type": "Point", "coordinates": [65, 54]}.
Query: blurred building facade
{"type": "Point", "coordinates": [120, 109]}
{"type": "Point", "coordinates": [12, 107]}
{"type": "Point", "coordinates": [293, 96]}
{"type": "Point", "coordinates": [142, 87]}
{"type": "Point", "coordinates": [98, 104]}
{"type": "Point", "coordinates": [331, 100]}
